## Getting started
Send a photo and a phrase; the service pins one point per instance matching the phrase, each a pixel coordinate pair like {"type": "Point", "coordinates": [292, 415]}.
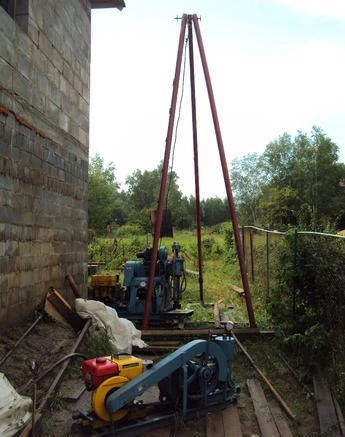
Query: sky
{"type": "Point", "coordinates": [276, 66]}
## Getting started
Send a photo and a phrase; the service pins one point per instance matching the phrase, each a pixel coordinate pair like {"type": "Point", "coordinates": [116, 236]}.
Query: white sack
{"type": "Point", "coordinates": [15, 410]}
{"type": "Point", "coordinates": [123, 334]}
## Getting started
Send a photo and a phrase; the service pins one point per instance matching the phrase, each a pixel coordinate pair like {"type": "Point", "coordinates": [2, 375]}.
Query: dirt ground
{"type": "Point", "coordinates": [49, 342]}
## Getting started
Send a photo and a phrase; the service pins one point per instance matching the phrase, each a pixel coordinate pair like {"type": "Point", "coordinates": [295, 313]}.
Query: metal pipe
{"type": "Point", "coordinates": [21, 339]}
{"type": "Point", "coordinates": [267, 268]}
{"type": "Point", "coordinates": [73, 285]}
{"type": "Point", "coordinates": [168, 141]}
{"type": "Point", "coordinates": [196, 157]}
{"type": "Point", "coordinates": [226, 177]}
{"type": "Point", "coordinates": [243, 244]}
{"type": "Point", "coordinates": [56, 381]}
{"type": "Point", "coordinates": [295, 252]}
{"type": "Point", "coordinates": [51, 368]}
{"type": "Point", "coordinates": [251, 254]}
{"type": "Point", "coordinates": [266, 380]}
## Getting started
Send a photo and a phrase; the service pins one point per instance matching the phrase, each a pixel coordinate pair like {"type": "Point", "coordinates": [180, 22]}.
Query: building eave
{"type": "Point", "coordinates": [98, 4]}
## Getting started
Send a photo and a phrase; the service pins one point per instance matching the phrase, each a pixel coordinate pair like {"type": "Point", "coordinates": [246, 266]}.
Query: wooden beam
{"type": "Point", "coordinates": [231, 422]}
{"type": "Point", "coordinates": [65, 310]}
{"type": "Point", "coordinates": [263, 414]}
{"type": "Point", "coordinates": [214, 426]}
{"type": "Point", "coordinates": [98, 4]}
{"type": "Point", "coordinates": [328, 418]}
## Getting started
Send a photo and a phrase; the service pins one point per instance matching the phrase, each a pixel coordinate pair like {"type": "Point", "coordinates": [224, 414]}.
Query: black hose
{"type": "Point", "coordinates": [51, 368]}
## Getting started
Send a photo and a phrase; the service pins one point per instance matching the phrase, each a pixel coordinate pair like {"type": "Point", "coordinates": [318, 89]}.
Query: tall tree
{"type": "Point", "coordinates": [214, 210]}
{"type": "Point", "coordinates": [143, 194]}
{"type": "Point", "coordinates": [306, 173]}
{"type": "Point", "coordinates": [104, 196]}
{"type": "Point", "coordinates": [247, 182]}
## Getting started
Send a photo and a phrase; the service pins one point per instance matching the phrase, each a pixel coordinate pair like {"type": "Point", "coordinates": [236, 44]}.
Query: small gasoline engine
{"type": "Point", "coordinates": [129, 300]}
{"type": "Point", "coordinates": [194, 379]}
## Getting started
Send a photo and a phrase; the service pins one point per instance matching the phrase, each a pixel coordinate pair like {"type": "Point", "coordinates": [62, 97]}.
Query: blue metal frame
{"type": "Point", "coordinates": [221, 350]}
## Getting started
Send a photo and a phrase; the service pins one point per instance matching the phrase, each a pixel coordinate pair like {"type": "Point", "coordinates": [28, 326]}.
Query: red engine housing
{"type": "Point", "coordinates": [97, 370]}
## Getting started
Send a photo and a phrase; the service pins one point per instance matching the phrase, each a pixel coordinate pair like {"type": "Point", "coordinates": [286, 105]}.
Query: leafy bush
{"type": "Point", "coordinates": [207, 245]}
{"type": "Point", "coordinates": [230, 251]}
{"type": "Point", "coordinates": [129, 230]}
{"type": "Point", "coordinates": [98, 344]}
{"type": "Point", "coordinates": [308, 300]}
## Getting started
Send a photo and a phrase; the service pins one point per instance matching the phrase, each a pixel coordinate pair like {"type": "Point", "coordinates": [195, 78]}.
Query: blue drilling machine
{"type": "Point", "coordinates": [129, 300]}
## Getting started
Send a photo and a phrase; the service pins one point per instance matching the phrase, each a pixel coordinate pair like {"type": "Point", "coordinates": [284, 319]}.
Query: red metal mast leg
{"type": "Point", "coordinates": [168, 141]}
{"type": "Point", "coordinates": [196, 158]}
{"type": "Point", "coordinates": [225, 175]}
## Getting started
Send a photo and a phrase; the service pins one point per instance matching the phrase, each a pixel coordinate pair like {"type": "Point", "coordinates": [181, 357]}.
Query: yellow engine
{"type": "Point", "coordinates": [104, 375]}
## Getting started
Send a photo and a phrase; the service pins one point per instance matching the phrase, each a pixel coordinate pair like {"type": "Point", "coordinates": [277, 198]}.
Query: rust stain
{"type": "Point", "coordinates": [4, 111]}
{"type": "Point", "coordinates": [23, 122]}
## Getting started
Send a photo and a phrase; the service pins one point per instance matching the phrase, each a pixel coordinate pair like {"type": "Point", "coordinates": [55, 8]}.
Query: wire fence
{"type": "Point", "coordinates": [310, 253]}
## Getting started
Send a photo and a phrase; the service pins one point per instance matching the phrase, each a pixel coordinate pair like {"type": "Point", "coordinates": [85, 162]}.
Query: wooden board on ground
{"type": "Point", "coordinates": [55, 315]}
{"type": "Point", "coordinates": [225, 423]}
{"type": "Point", "coordinates": [340, 416]}
{"type": "Point", "coordinates": [282, 426]}
{"type": "Point", "coordinates": [64, 310]}
{"type": "Point", "coordinates": [263, 414]}
{"type": "Point", "coordinates": [71, 389]}
{"type": "Point", "coordinates": [231, 422]}
{"type": "Point", "coordinates": [216, 313]}
{"type": "Point", "coordinates": [238, 290]}
{"type": "Point", "coordinates": [164, 431]}
{"type": "Point", "coordinates": [214, 427]}
{"type": "Point", "coordinates": [328, 418]}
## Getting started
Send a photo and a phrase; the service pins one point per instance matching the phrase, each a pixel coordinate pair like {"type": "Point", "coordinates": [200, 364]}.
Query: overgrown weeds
{"type": "Point", "coordinates": [97, 343]}
{"type": "Point", "coordinates": [307, 304]}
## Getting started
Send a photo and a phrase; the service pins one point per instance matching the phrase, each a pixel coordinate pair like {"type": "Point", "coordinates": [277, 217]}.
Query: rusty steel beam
{"type": "Point", "coordinates": [226, 177]}
{"type": "Point", "coordinates": [196, 157]}
{"type": "Point", "coordinates": [163, 184]}
{"type": "Point", "coordinates": [21, 339]}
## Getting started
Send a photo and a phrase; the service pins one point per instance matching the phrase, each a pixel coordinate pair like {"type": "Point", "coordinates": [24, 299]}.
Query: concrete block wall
{"type": "Point", "coordinates": [44, 128]}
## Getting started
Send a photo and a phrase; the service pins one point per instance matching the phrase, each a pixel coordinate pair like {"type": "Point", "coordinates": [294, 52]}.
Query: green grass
{"type": "Point", "coordinates": [220, 271]}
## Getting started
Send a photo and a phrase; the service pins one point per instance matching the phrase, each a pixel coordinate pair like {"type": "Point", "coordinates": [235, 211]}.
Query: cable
{"type": "Point", "coordinates": [176, 126]}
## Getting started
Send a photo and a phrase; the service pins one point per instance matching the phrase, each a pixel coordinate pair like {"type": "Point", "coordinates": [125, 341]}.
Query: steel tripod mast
{"type": "Point", "coordinates": [192, 20]}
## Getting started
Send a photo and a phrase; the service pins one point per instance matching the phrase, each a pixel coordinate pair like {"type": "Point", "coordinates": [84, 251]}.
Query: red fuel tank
{"type": "Point", "coordinates": [97, 370]}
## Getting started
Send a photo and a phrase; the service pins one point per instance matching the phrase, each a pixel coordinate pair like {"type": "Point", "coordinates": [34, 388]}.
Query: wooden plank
{"type": "Point", "coordinates": [238, 290]}
{"type": "Point", "coordinates": [214, 426]}
{"type": "Point", "coordinates": [71, 390]}
{"type": "Point", "coordinates": [263, 414]}
{"type": "Point", "coordinates": [55, 315]}
{"type": "Point", "coordinates": [65, 310]}
{"type": "Point", "coordinates": [282, 426]}
{"type": "Point", "coordinates": [340, 416]}
{"type": "Point", "coordinates": [199, 332]}
{"type": "Point", "coordinates": [217, 313]}
{"type": "Point", "coordinates": [158, 432]}
{"type": "Point", "coordinates": [328, 418]}
{"type": "Point", "coordinates": [231, 422]}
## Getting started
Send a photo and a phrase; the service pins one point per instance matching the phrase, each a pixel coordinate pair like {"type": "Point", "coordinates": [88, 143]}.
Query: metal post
{"type": "Point", "coordinates": [196, 158]}
{"type": "Point", "coordinates": [226, 177]}
{"type": "Point", "coordinates": [168, 141]}
{"type": "Point", "coordinates": [251, 254]}
{"type": "Point", "coordinates": [295, 247]}
{"type": "Point", "coordinates": [267, 267]}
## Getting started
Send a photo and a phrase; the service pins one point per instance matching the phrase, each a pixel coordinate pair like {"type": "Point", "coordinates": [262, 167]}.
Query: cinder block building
{"type": "Point", "coordinates": [44, 130]}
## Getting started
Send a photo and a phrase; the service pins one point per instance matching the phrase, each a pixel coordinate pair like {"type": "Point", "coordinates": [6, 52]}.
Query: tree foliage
{"type": "Point", "coordinates": [105, 200]}
{"type": "Point", "coordinates": [246, 176]}
{"type": "Point", "coordinates": [295, 181]}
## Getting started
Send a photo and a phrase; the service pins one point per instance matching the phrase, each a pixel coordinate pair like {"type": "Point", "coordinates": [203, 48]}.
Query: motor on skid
{"type": "Point", "coordinates": [129, 300]}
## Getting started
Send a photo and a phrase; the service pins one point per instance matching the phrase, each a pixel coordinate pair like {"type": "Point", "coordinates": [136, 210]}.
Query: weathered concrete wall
{"type": "Point", "coordinates": [44, 123]}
